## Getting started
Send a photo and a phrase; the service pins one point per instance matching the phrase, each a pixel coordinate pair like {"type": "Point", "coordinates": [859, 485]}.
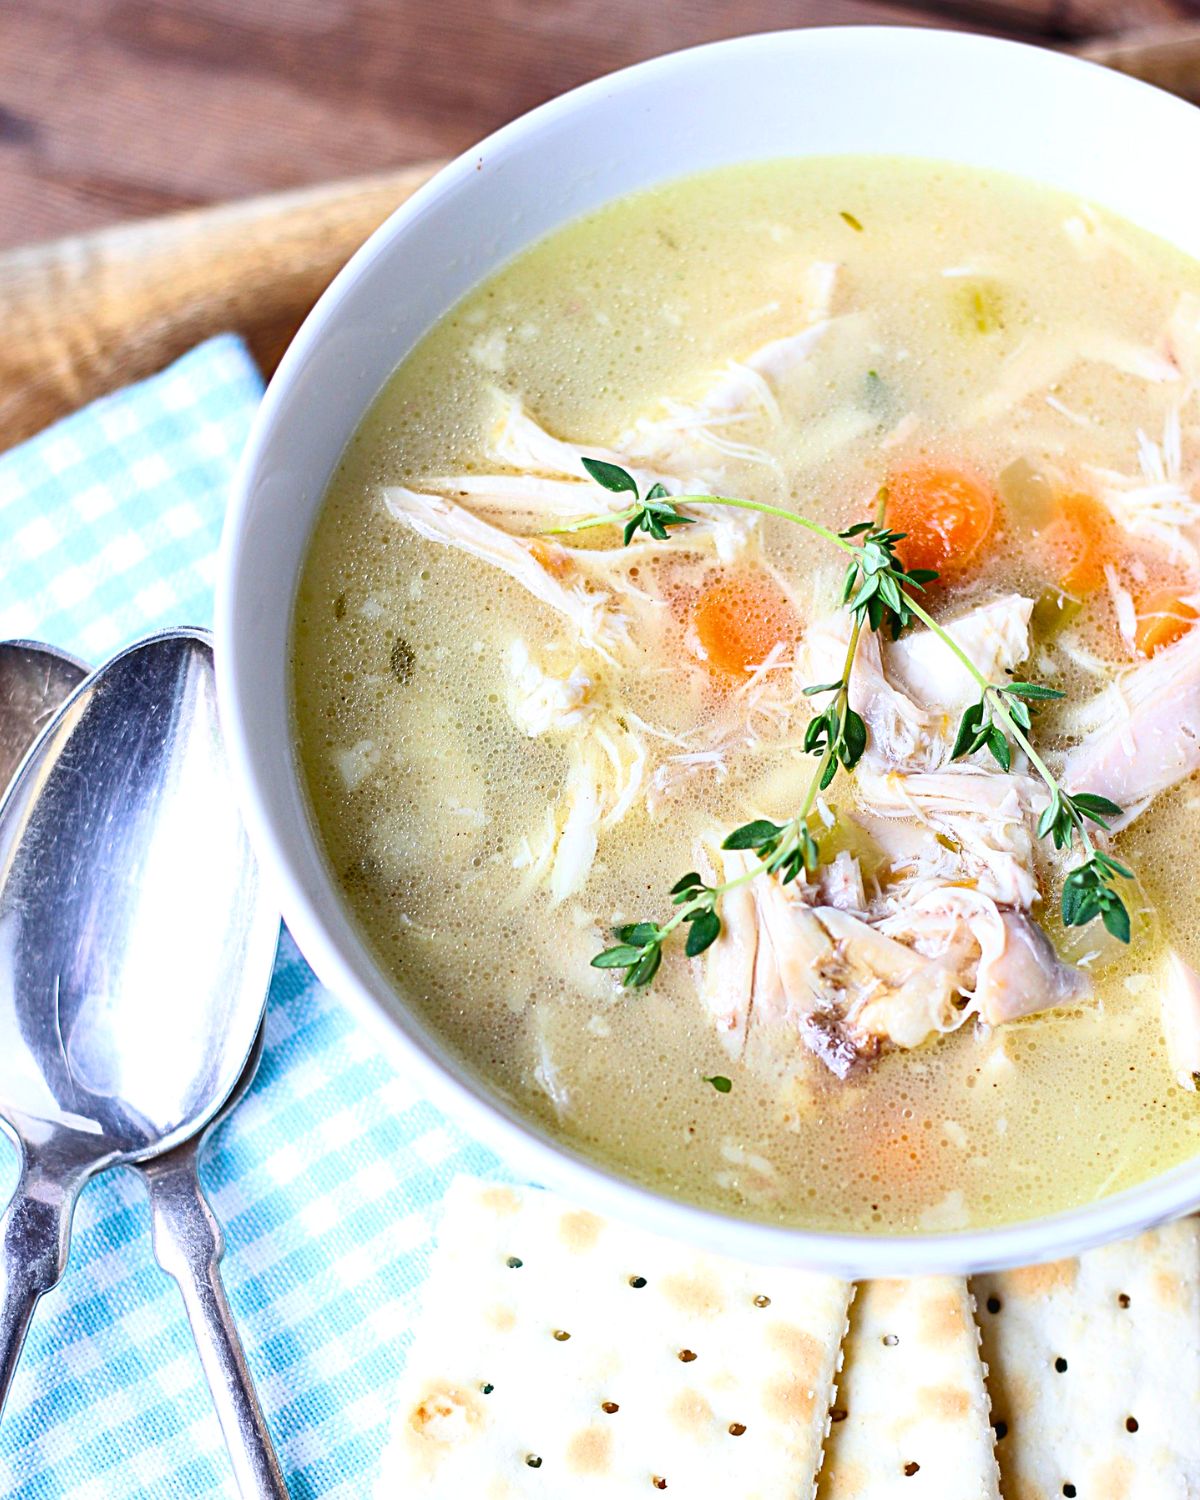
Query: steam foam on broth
{"type": "Point", "coordinates": [974, 323]}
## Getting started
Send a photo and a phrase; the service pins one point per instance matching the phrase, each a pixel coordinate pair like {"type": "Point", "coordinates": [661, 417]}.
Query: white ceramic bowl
{"type": "Point", "coordinates": [920, 93]}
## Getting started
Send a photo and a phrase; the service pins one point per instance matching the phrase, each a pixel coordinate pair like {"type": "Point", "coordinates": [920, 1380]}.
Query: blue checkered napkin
{"type": "Point", "coordinates": [327, 1176]}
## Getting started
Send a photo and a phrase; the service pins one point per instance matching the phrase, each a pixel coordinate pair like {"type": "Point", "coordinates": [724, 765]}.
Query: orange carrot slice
{"type": "Point", "coordinates": [1077, 543]}
{"type": "Point", "coordinates": [946, 515]}
{"type": "Point", "coordinates": [738, 620]}
{"type": "Point", "coordinates": [1162, 617]}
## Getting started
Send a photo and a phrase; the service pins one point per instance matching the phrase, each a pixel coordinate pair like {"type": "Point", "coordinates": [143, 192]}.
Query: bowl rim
{"type": "Point", "coordinates": [468, 1100]}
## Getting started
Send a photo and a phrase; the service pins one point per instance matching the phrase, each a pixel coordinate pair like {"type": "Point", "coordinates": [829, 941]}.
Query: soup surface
{"type": "Point", "coordinates": [516, 743]}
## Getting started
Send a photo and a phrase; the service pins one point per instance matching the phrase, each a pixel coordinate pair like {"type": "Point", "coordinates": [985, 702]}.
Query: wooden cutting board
{"type": "Point", "coordinates": [86, 315]}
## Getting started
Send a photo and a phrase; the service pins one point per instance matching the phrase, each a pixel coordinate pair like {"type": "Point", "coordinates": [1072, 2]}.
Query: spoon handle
{"type": "Point", "coordinates": [35, 1237]}
{"type": "Point", "coordinates": [188, 1245]}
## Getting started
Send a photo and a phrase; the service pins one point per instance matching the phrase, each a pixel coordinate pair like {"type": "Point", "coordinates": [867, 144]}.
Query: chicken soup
{"type": "Point", "coordinates": [746, 681]}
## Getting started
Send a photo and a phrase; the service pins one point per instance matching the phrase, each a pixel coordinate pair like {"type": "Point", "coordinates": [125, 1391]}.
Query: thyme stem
{"type": "Point", "coordinates": [619, 517]}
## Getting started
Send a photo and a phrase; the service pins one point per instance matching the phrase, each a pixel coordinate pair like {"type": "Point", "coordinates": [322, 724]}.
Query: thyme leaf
{"type": "Point", "coordinates": [1089, 892]}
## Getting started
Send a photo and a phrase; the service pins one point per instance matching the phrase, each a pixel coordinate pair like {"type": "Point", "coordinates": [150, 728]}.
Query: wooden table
{"type": "Point", "coordinates": [118, 109]}
{"type": "Point", "coordinates": [148, 111]}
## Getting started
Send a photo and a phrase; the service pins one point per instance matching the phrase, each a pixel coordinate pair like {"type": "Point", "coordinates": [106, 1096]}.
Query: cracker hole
{"type": "Point", "coordinates": [1122, 1299]}
{"type": "Point", "coordinates": [1060, 1365]}
{"type": "Point", "coordinates": [736, 1429]}
{"type": "Point", "coordinates": [687, 1355]}
{"type": "Point", "coordinates": [1131, 1424]}
{"type": "Point", "coordinates": [533, 1461]}
{"type": "Point", "coordinates": [609, 1407]}
{"type": "Point", "coordinates": [637, 1282]}
{"type": "Point", "coordinates": [762, 1301]}
{"type": "Point", "coordinates": [1001, 1429]}
{"type": "Point", "coordinates": [911, 1468]}
{"type": "Point", "coordinates": [994, 1304]}
{"type": "Point", "coordinates": [514, 1262]}
{"type": "Point", "coordinates": [890, 1339]}
{"type": "Point", "coordinates": [837, 1413]}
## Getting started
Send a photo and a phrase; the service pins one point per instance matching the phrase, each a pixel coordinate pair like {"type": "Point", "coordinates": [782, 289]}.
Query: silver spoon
{"type": "Point", "coordinates": [124, 879]}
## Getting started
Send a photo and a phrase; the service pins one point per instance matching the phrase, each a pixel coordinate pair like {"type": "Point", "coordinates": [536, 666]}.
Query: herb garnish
{"type": "Point", "coordinates": [878, 592]}
{"type": "Point", "coordinates": [721, 1084]}
{"type": "Point", "coordinates": [654, 513]}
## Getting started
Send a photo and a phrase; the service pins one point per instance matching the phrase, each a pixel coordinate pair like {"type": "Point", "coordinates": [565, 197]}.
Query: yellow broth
{"type": "Point", "coordinates": [399, 644]}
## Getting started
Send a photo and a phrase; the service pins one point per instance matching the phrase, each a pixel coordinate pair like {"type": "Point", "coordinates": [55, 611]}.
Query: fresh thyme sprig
{"type": "Point", "coordinates": [875, 581]}
{"type": "Point", "coordinates": [876, 590]}
{"type": "Point", "coordinates": [838, 734]}
{"type": "Point", "coordinates": [1088, 893]}
{"type": "Point", "coordinates": [978, 728]}
{"type": "Point", "coordinates": [652, 513]}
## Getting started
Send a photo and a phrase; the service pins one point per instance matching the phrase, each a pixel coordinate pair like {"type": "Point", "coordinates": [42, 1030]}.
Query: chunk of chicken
{"type": "Point", "coordinates": [786, 970]}
{"type": "Point", "coordinates": [984, 819]}
{"type": "Point", "coordinates": [912, 692]}
{"type": "Point", "coordinates": [900, 732]}
{"type": "Point", "coordinates": [605, 767]}
{"type": "Point", "coordinates": [840, 883]}
{"type": "Point", "coordinates": [883, 989]}
{"type": "Point", "coordinates": [1152, 738]}
{"type": "Point", "coordinates": [1179, 989]}
{"type": "Point", "coordinates": [792, 945]}
{"type": "Point", "coordinates": [1003, 961]}
{"type": "Point", "coordinates": [1025, 975]}
{"type": "Point", "coordinates": [995, 636]}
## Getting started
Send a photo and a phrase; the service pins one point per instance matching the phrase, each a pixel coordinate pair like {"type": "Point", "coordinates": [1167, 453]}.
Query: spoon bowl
{"type": "Point", "coordinates": [135, 943]}
{"type": "Point", "coordinates": [34, 681]}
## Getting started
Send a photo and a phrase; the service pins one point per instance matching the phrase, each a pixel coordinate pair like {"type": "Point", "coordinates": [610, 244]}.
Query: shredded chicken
{"type": "Point", "coordinates": [1158, 504]}
{"type": "Point", "coordinates": [1039, 364]}
{"type": "Point", "coordinates": [539, 701]}
{"type": "Point", "coordinates": [605, 772]}
{"type": "Point", "coordinates": [1179, 988]}
{"type": "Point", "coordinates": [688, 437]}
{"type": "Point", "coordinates": [532, 497]}
{"type": "Point", "coordinates": [548, 572]}
{"type": "Point", "coordinates": [1150, 738]}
